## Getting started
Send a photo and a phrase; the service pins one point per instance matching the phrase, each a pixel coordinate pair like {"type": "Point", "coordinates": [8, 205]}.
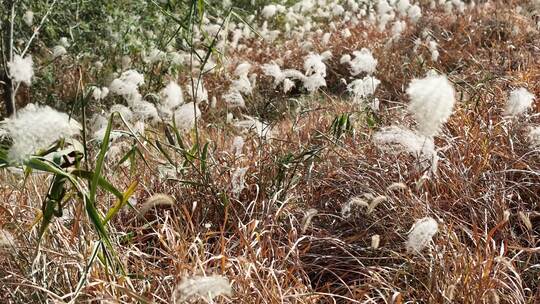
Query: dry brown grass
{"type": "Point", "coordinates": [487, 169]}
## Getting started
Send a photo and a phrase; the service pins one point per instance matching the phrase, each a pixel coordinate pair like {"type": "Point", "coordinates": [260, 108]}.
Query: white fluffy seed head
{"type": "Point", "coordinates": [313, 64]}
{"type": "Point", "coordinates": [375, 241]}
{"type": "Point", "coordinates": [21, 69]}
{"type": "Point", "coordinates": [362, 88]}
{"type": "Point", "coordinates": [124, 111]}
{"type": "Point", "coordinates": [185, 116]}
{"type": "Point", "coordinates": [6, 239]}
{"type": "Point", "coordinates": [400, 139]}
{"type": "Point", "coordinates": [59, 51]}
{"type": "Point", "coordinates": [238, 180]}
{"type": "Point", "coordinates": [242, 69]}
{"type": "Point", "coordinates": [252, 124]}
{"type": "Point", "coordinates": [99, 93]}
{"type": "Point", "coordinates": [170, 97]}
{"type": "Point", "coordinates": [519, 101]}
{"type": "Point", "coordinates": [199, 94]}
{"type": "Point", "coordinates": [421, 234]}
{"type": "Point", "coordinates": [269, 11]}
{"type": "Point", "coordinates": [238, 145]}
{"type": "Point", "coordinates": [145, 111]}
{"type": "Point", "coordinates": [242, 85]}
{"type": "Point", "coordinates": [127, 84]}
{"type": "Point", "coordinates": [234, 99]}
{"type": "Point", "coordinates": [36, 128]}
{"type": "Point", "coordinates": [432, 102]}
{"type": "Point", "coordinates": [363, 61]}
{"type": "Point", "coordinates": [273, 70]}
{"type": "Point", "coordinates": [28, 18]}
{"type": "Point", "coordinates": [534, 137]}
{"type": "Point", "coordinates": [201, 287]}
{"type": "Point", "coordinates": [346, 208]}
{"type": "Point", "coordinates": [314, 82]}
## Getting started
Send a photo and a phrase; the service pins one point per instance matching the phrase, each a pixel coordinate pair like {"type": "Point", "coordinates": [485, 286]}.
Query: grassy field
{"type": "Point", "coordinates": [291, 198]}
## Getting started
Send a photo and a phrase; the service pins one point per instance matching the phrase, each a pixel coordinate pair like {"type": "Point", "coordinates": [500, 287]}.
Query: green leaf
{"type": "Point", "coordinates": [121, 202]}
{"type": "Point", "coordinates": [204, 155]}
{"type": "Point", "coordinates": [103, 183]}
{"type": "Point", "coordinates": [101, 159]}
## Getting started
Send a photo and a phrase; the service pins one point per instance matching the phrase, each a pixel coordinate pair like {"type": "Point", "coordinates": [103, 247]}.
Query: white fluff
{"type": "Point", "coordinates": [345, 59]}
{"type": "Point", "coordinates": [201, 94]}
{"type": "Point", "coordinates": [269, 11]}
{"type": "Point", "coordinates": [362, 88]}
{"type": "Point", "coordinates": [421, 234]}
{"type": "Point", "coordinates": [99, 93]}
{"type": "Point", "coordinates": [144, 110]}
{"type": "Point", "coordinates": [242, 69]}
{"type": "Point", "coordinates": [273, 70]}
{"type": "Point", "coordinates": [287, 85]}
{"type": "Point", "coordinates": [170, 97]}
{"type": "Point", "coordinates": [238, 145]}
{"type": "Point", "coordinates": [127, 84]}
{"type": "Point", "coordinates": [242, 85]}
{"type": "Point", "coordinates": [253, 124]}
{"type": "Point", "coordinates": [414, 12]}
{"type": "Point", "coordinates": [314, 82]}
{"type": "Point", "coordinates": [21, 69]}
{"type": "Point", "coordinates": [201, 287]}
{"type": "Point", "coordinates": [37, 127]}
{"type": "Point", "coordinates": [313, 64]}
{"type": "Point", "coordinates": [238, 181]}
{"type": "Point", "coordinates": [234, 99]}
{"type": "Point", "coordinates": [519, 101]}
{"type": "Point", "coordinates": [185, 116]}
{"type": "Point", "coordinates": [432, 102]}
{"type": "Point", "coordinates": [28, 18]}
{"type": "Point", "coordinates": [396, 139]}
{"type": "Point", "coordinates": [363, 61]}
{"type": "Point", "coordinates": [124, 111]}
{"type": "Point", "coordinates": [59, 51]}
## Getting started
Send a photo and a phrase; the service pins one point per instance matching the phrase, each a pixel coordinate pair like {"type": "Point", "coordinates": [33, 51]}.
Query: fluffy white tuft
{"type": "Point", "coordinates": [262, 129]}
{"type": "Point", "coordinates": [99, 93]}
{"type": "Point", "coordinates": [21, 69]}
{"type": "Point", "coordinates": [234, 99]}
{"type": "Point", "coordinates": [201, 94]}
{"type": "Point", "coordinates": [204, 287]}
{"type": "Point", "coordinates": [124, 111]}
{"type": "Point", "coordinates": [519, 101]}
{"type": "Point", "coordinates": [127, 84]}
{"type": "Point", "coordinates": [432, 101]}
{"type": "Point", "coordinates": [313, 64]}
{"type": "Point", "coordinates": [185, 116]}
{"type": "Point", "coordinates": [363, 61]}
{"type": "Point", "coordinates": [170, 97]}
{"type": "Point", "coordinates": [238, 145]}
{"type": "Point", "coordinates": [396, 139]}
{"type": "Point", "coordinates": [421, 234]}
{"type": "Point", "coordinates": [314, 82]}
{"type": "Point", "coordinates": [269, 11]}
{"type": "Point", "coordinates": [273, 70]}
{"type": "Point", "coordinates": [59, 51]}
{"type": "Point", "coordinates": [534, 137]}
{"type": "Point", "coordinates": [36, 128]}
{"type": "Point", "coordinates": [28, 18]}
{"type": "Point", "coordinates": [238, 181]}
{"type": "Point", "coordinates": [362, 88]}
